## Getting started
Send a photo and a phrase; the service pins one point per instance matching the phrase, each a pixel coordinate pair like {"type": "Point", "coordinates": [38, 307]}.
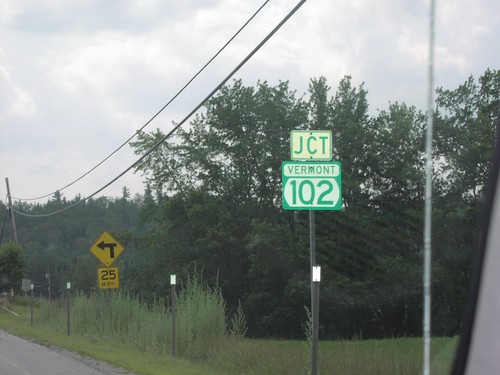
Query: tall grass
{"type": "Point", "coordinates": [357, 357]}
{"type": "Point", "coordinates": [50, 314]}
{"type": "Point", "coordinates": [201, 318]}
{"type": "Point", "coordinates": [206, 334]}
{"type": "Point", "coordinates": [120, 318]}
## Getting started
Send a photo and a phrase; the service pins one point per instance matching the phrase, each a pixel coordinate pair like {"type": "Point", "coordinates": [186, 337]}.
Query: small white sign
{"type": "Point", "coordinates": [316, 274]}
{"type": "Point", "coordinates": [26, 284]}
{"type": "Point", "coordinates": [172, 279]}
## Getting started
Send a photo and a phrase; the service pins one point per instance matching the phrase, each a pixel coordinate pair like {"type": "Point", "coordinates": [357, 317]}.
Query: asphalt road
{"type": "Point", "coordinates": [23, 357]}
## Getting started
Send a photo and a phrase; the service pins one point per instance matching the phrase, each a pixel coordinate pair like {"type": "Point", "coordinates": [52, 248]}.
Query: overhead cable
{"type": "Point", "coordinates": [164, 138]}
{"type": "Point", "coordinates": [157, 113]}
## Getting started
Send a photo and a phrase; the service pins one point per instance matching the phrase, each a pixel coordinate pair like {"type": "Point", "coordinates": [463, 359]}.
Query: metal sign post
{"type": "Point", "coordinates": [47, 276]}
{"type": "Point", "coordinates": [174, 315]}
{"type": "Point", "coordinates": [316, 278]}
{"type": "Point", "coordinates": [314, 295]}
{"type": "Point", "coordinates": [312, 183]}
{"type": "Point", "coordinates": [68, 287]}
{"type": "Point", "coordinates": [32, 302]}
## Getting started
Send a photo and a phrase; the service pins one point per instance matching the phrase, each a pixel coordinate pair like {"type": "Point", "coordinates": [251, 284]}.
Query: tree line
{"type": "Point", "coordinates": [212, 205]}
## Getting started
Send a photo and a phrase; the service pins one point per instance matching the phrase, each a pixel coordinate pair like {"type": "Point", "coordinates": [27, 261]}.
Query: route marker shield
{"type": "Point", "coordinates": [312, 185]}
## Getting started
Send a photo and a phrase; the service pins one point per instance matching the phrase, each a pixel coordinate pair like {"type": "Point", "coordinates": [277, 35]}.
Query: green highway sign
{"type": "Point", "coordinates": [314, 145]}
{"type": "Point", "coordinates": [312, 185]}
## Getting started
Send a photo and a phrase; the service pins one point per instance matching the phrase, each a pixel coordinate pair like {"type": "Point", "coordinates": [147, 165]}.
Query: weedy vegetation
{"type": "Point", "coordinates": [130, 328]}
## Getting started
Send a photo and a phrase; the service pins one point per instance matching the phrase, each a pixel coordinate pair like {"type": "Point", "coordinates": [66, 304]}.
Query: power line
{"type": "Point", "coordinates": [212, 93]}
{"type": "Point", "coordinates": [157, 113]}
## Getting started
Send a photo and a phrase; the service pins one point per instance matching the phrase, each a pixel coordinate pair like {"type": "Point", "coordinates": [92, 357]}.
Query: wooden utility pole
{"type": "Point", "coordinates": [11, 211]}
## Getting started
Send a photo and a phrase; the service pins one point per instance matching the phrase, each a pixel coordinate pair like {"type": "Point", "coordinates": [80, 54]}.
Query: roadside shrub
{"type": "Point", "coordinates": [121, 318]}
{"type": "Point", "coordinates": [201, 318]}
{"type": "Point", "coordinates": [125, 320]}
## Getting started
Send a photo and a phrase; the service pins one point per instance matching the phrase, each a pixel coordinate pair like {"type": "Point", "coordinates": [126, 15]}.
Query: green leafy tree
{"type": "Point", "coordinates": [234, 149]}
{"type": "Point", "coordinates": [466, 132]}
{"type": "Point", "coordinates": [59, 244]}
{"type": "Point", "coordinates": [12, 266]}
{"type": "Point", "coordinates": [350, 125]}
{"type": "Point", "coordinates": [212, 202]}
{"type": "Point", "coordinates": [227, 174]}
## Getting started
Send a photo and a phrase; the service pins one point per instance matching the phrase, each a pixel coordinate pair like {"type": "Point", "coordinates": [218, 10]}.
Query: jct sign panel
{"type": "Point", "coordinates": [314, 145]}
{"type": "Point", "coordinates": [312, 186]}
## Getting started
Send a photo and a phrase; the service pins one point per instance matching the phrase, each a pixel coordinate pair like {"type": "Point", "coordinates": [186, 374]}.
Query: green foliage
{"type": "Point", "coordinates": [233, 150]}
{"type": "Point", "coordinates": [121, 318]}
{"type": "Point", "coordinates": [233, 355]}
{"type": "Point", "coordinates": [60, 244]}
{"type": "Point", "coordinates": [308, 327]}
{"type": "Point", "coordinates": [12, 266]}
{"type": "Point", "coordinates": [239, 322]}
{"type": "Point", "coordinates": [466, 133]}
{"type": "Point", "coordinates": [50, 313]}
{"type": "Point", "coordinates": [201, 313]}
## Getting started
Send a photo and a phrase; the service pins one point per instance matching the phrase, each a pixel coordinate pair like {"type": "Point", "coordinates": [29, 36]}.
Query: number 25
{"type": "Point", "coordinates": [108, 274]}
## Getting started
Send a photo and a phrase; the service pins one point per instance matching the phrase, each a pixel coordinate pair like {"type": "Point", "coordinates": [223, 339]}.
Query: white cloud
{"type": "Point", "coordinates": [82, 76]}
{"type": "Point", "coordinates": [415, 50]}
{"type": "Point", "coordinates": [9, 10]}
{"type": "Point", "coordinates": [14, 100]}
{"type": "Point", "coordinates": [462, 27]}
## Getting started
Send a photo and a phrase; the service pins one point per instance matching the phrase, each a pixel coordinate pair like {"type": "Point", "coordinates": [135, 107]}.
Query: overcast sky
{"type": "Point", "coordinates": [79, 77]}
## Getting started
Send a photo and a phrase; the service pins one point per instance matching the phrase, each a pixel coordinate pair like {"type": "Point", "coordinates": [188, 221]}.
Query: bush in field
{"type": "Point", "coordinates": [122, 318]}
{"type": "Point", "coordinates": [201, 318]}
{"type": "Point", "coordinates": [12, 265]}
{"type": "Point", "coordinates": [239, 326]}
{"type": "Point", "coordinates": [50, 312]}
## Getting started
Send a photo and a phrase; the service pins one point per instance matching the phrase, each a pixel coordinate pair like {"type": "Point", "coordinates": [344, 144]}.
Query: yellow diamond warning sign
{"type": "Point", "coordinates": [106, 249]}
